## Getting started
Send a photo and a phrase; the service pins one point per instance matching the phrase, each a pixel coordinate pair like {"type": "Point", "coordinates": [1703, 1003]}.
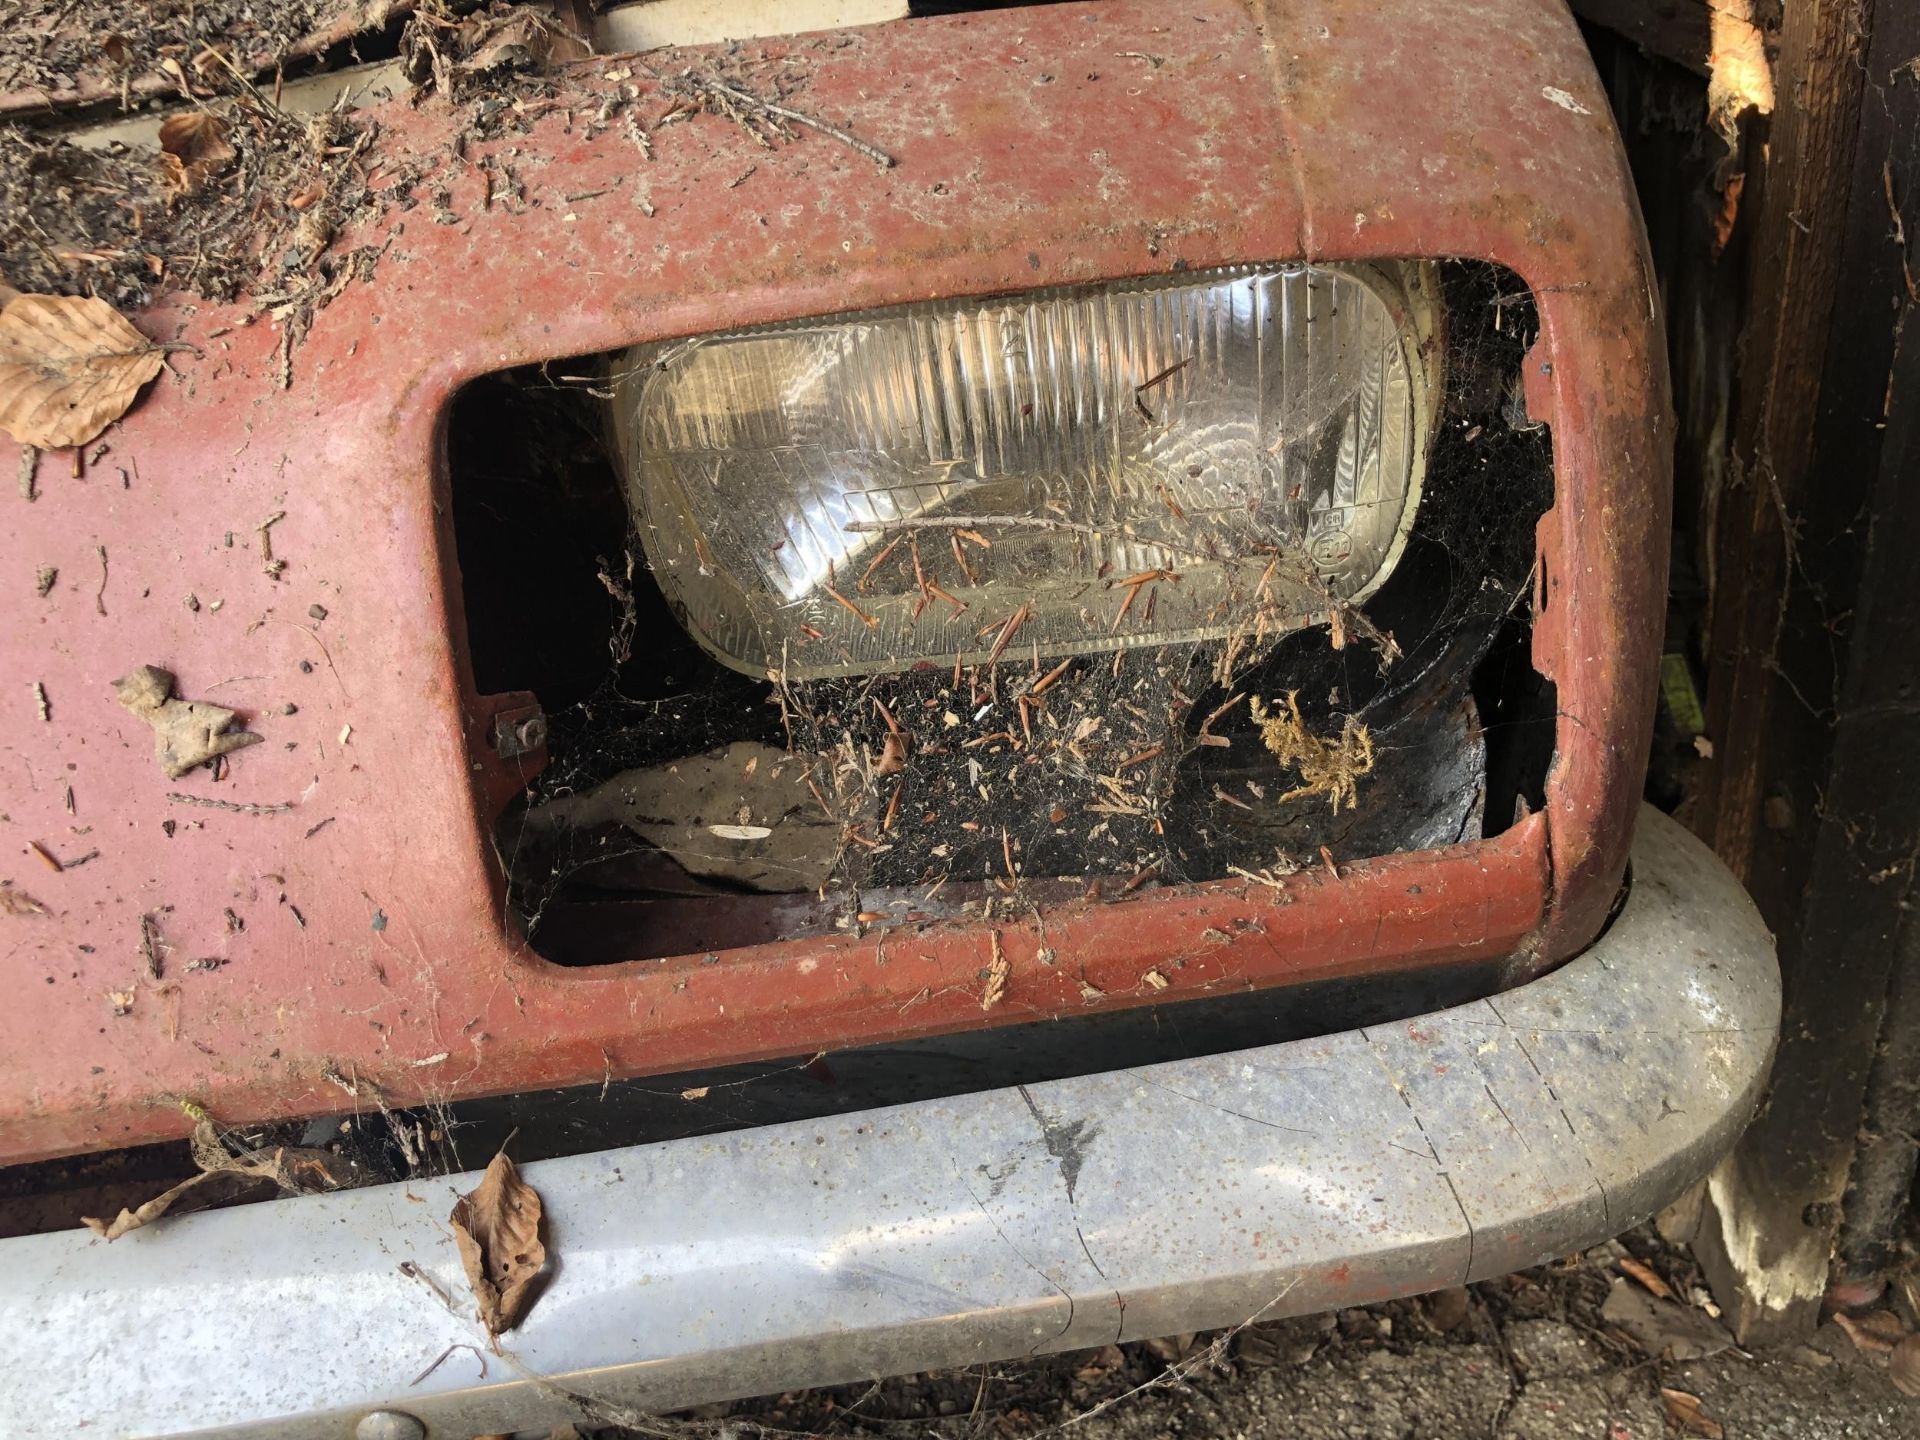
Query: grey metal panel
{"type": "Point", "coordinates": [1272, 1181]}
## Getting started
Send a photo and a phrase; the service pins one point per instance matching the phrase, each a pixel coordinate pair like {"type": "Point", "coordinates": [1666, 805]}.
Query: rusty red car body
{"type": "Point", "coordinates": [366, 945]}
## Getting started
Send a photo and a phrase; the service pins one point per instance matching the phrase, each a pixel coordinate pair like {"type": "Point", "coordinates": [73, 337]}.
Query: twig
{"type": "Point", "coordinates": [1047, 681]}
{"type": "Point", "coordinates": [1010, 629]}
{"type": "Point", "coordinates": [865, 618]}
{"type": "Point", "coordinates": [457, 1345]}
{"type": "Point", "coordinates": [269, 566]}
{"type": "Point", "coordinates": [235, 807]}
{"type": "Point", "coordinates": [878, 561]}
{"type": "Point", "coordinates": [407, 1267]}
{"type": "Point", "coordinates": [754, 102]}
{"type": "Point", "coordinates": [1169, 372]}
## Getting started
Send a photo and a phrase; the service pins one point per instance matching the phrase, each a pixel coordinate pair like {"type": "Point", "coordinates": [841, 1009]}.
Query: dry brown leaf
{"type": "Point", "coordinates": [518, 39]}
{"type": "Point", "coordinates": [293, 1169]}
{"type": "Point", "coordinates": [1684, 1410]}
{"type": "Point", "coordinates": [497, 1228]}
{"type": "Point", "coordinates": [186, 733]}
{"type": "Point", "coordinates": [1903, 1366]}
{"type": "Point", "coordinates": [193, 148]}
{"type": "Point", "coordinates": [1875, 1331]}
{"type": "Point", "coordinates": [147, 1213]}
{"type": "Point", "coordinates": [68, 368]}
{"type": "Point", "coordinates": [1646, 1275]}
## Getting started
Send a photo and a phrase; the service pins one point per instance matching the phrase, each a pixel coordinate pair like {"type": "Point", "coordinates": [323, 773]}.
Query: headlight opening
{"type": "Point", "coordinates": [1069, 623]}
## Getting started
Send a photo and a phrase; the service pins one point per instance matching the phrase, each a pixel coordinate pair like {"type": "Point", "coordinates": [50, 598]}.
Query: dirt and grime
{"type": "Point", "coordinates": [1532, 1356]}
{"type": "Point", "coordinates": [242, 199]}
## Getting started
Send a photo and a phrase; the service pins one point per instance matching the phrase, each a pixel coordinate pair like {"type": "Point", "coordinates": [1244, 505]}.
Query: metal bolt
{"type": "Point", "coordinates": [517, 735]}
{"type": "Point", "coordinates": [389, 1425]}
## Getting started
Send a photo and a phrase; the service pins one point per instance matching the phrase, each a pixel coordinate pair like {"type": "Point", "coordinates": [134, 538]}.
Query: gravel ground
{"type": "Point", "coordinates": [1528, 1357]}
{"type": "Point", "coordinates": [1564, 1385]}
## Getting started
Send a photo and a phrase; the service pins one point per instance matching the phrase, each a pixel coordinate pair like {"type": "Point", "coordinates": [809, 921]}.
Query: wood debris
{"type": "Point", "coordinates": [761, 119]}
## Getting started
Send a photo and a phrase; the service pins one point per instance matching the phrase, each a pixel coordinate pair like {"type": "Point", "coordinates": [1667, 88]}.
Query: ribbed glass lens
{"type": "Point", "coordinates": [1099, 468]}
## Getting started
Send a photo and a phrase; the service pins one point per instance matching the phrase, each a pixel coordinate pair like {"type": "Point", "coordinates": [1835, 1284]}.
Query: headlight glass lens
{"type": "Point", "coordinates": [1136, 463]}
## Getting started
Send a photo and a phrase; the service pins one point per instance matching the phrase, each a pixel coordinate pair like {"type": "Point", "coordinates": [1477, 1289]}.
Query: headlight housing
{"type": "Point", "coordinates": [1071, 470]}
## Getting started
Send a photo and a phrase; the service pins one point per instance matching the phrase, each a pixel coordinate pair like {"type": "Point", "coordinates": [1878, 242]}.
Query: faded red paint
{"type": "Point", "coordinates": [1309, 130]}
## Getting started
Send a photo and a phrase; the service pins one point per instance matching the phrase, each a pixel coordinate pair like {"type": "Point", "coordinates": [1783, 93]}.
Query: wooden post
{"type": "Point", "coordinates": [1814, 669]}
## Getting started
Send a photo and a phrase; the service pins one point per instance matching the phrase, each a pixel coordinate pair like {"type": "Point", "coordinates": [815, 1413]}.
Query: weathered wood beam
{"type": "Point", "coordinates": [1814, 790]}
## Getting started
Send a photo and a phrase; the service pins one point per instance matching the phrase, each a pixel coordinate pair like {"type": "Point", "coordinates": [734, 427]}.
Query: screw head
{"type": "Point", "coordinates": [389, 1425]}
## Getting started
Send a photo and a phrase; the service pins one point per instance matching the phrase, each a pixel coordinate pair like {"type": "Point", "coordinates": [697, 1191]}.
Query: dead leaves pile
{"type": "Point", "coordinates": [186, 733]}
{"type": "Point", "coordinates": [439, 52]}
{"type": "Point", "coordinates": [69, 367]}
{"type": "Point", "coordinates": [497, 1229]}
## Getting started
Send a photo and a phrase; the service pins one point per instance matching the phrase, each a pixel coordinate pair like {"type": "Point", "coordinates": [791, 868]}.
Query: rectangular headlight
{"type": "Point", "coordinates": [1066, 471]}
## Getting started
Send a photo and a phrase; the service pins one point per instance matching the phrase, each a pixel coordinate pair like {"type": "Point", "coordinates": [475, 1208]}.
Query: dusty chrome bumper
{"type": "Point", "coordinates": [1286, 1179]}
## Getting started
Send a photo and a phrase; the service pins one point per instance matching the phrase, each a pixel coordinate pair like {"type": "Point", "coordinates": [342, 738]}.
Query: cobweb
{"type": "Point", "coordinates": [688, 807]}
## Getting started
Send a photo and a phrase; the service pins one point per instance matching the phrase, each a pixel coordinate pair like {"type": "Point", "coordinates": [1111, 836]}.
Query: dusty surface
{"type": "Point", "coordinates": [1528, 1357]}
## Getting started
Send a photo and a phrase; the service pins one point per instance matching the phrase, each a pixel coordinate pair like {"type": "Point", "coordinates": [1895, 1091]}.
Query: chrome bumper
{"type": "Point", "coordinates": [1281, 1180]}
